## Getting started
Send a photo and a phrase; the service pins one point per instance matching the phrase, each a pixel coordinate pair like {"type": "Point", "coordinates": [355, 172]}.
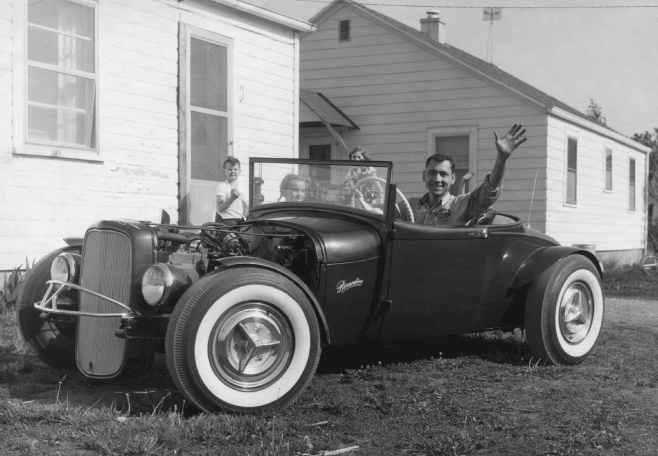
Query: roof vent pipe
{"type": "Point", "coordinates": [433, 27]}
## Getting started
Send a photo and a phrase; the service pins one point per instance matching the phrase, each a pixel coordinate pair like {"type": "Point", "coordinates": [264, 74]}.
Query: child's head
{"type": "Point", "coordinates": [360, 154]}
{"type": "Point", "coordinates": [293, 188]}
{"type": "Point", "coordinates": [232, 169]}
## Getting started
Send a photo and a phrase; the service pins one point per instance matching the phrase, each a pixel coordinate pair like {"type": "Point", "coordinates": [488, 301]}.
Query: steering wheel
{"type": "Point", "coordinates": [409, 215]}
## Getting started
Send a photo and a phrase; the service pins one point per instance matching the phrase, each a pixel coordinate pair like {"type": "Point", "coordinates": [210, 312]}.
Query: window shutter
{"type": "Point", "coordinates": [344, 30]}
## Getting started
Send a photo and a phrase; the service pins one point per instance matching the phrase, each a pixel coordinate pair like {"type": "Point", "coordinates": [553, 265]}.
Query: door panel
{"type": "Point", "coordinates": [209, 147]}
{"type": "Point", "coordinates": [437, 279]}
{"type": "Point", "coordinates": [202, 202]}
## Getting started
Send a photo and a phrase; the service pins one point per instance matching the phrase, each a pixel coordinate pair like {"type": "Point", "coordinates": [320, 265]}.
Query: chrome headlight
{"type": "Point", "coordinates": [154, 285]}
{"type": "Point", "coordinates": [64, 268]}
{"type": "Point", "coordinates": [163, 284]}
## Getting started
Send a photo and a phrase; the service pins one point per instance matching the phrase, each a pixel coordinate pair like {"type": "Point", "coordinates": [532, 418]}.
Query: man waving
{"type": "Point", "coordinates": [439, 207]}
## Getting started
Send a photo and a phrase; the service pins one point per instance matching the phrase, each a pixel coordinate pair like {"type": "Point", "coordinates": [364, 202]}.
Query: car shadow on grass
{"type": "Point", "coordinates": [492, 346]}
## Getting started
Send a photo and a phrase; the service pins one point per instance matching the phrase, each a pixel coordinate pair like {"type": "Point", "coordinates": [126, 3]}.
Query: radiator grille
{"type": "Point", "coordinates": [106, 269]}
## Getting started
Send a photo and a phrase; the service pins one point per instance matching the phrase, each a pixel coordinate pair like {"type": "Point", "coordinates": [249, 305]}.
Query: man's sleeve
{"type": "Point", "coordinates": [482, 198]}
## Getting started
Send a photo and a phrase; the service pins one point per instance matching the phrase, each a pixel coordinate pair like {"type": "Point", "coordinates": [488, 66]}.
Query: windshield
{"type": "Point", "coordinates": [361, 185]}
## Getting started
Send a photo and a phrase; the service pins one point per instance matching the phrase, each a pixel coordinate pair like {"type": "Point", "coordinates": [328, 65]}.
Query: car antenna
{"type": "Point", "coordinates": [532, 199]}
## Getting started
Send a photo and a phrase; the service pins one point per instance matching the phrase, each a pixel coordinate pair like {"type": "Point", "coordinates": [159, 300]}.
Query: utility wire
{"type": "Point", "coordinates": [480, 7]}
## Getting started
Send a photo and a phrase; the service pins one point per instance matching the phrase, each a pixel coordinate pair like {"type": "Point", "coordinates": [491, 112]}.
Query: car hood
{"type": "Point", "coordinates": [344, 239]}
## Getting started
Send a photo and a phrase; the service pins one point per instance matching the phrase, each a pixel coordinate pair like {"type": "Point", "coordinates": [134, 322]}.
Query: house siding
{"type": "Point", "coordinates": [45, 199]}
{"type": "Point", "coordinates": [395, 91]}
{"type": "Point", "coordinates": [599, 216]}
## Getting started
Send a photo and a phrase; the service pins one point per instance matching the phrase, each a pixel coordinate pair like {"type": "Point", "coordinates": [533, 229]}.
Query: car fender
{"type": "Point", "coordinates": [542, 259]}
{"type": "Point", "coordinates": [73, 241]}
{"type": "Point", "coordinates": [233, 262]}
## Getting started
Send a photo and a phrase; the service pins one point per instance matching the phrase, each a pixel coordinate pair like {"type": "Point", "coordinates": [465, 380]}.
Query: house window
{"type": "Point", "coordinates": [458, 148]}
{"type": "Point", "coordinates": [344, 30]}
{"type": "Point", "coordinates": [61, 73]}
{"type": "Point", "coordinates": [572, 175]}
{"type": "Point", "coordinates": [631, 185]}
{"type": "Point", "coordinates": [320, 152]}
{"type": "Point", "coordinates": [608, 169]}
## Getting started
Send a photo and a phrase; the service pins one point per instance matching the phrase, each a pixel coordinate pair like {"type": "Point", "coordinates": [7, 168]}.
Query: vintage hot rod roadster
{"type": "Point", "coordinates": [243, 312]}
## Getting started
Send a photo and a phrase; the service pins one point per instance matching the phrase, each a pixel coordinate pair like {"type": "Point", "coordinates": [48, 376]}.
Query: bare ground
{"type": "Point", "coordinates": [502, 405]}
{"type": "Point", "coordinates": [42, 384]}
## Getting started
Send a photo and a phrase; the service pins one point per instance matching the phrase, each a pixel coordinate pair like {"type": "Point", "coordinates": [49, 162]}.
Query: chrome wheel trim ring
{"type": "Point", "coordinates": [575, 313]}
{"type": "Point", "coordinates": [251, 346]}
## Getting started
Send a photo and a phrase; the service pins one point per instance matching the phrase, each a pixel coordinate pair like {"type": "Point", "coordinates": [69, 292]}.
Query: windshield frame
{"type": "Point", "coordinates": [387, 165]}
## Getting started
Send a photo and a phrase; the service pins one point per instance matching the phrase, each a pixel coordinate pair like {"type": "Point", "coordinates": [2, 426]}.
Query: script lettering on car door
{"type": "Point", "coordinates": [343, 286]}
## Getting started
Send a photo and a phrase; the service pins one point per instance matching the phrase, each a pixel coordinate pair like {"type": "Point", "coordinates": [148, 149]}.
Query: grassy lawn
{"type": "Point", "coordinates": [467, 395]}
{"type": "Point", "coordinates": [630, 281]}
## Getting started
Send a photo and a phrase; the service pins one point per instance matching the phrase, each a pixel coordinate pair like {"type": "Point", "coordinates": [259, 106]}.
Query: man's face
{"type": "Point", "coordinates": [295, 191]}
{"type": "Point", "coordinates": [232, 172]}
{"type": "Point", "coordinates": [438, 177]}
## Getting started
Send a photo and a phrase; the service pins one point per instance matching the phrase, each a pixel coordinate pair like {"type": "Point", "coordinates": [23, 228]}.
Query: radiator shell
{"type": "Point", "coordinates": [115, 255]}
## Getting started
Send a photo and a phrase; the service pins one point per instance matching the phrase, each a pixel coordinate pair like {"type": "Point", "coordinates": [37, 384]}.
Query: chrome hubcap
{"type": "Point", "coordinates": [576, 312]}
{"type": "Point", "coordinates": [251, 346]}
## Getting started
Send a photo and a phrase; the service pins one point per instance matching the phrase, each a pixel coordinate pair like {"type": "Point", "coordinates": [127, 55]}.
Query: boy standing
{"type": "Point", "coordinates": [232, 205]}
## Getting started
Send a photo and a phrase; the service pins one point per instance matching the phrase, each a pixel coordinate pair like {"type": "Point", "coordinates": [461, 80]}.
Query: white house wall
{"type": "Point", "coordinates": [396, 91]}
{"type": "Point", "coordinates": [135, 173]}
{"type": "Point", "coordinates": [600, 217]}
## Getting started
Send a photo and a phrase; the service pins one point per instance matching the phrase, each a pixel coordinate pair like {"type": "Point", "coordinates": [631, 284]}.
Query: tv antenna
{"type": "Point", "coordinates": [491, 15]}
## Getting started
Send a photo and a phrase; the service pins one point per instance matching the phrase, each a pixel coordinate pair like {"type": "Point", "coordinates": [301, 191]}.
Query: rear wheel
{"type": "Point", "coordinates": [649, 264]}
{"type": "Point", "coordinates": [53, 343]}
{"type": "Point", "coordinates": [564, 312]}
{"type": "Point", "coordinates": [243, 340]}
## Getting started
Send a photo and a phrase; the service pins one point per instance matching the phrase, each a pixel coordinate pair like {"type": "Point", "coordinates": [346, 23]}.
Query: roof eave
{"type": "Point", "coordinates": [564, 115]}
{"type": "Point", "coordinates": [278, 18]}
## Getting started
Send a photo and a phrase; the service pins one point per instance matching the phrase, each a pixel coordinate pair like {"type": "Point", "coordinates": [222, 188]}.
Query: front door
{"type": "Point", "coordinates": [206, 108]}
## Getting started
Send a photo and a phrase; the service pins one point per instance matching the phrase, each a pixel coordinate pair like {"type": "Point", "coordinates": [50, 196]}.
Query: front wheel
{"type": "Point", "coordinates": [52, 341]}
{"type": "Point", "coordinates": [564, 312]}
{"type": "Point", "coordinates": [242, 340]}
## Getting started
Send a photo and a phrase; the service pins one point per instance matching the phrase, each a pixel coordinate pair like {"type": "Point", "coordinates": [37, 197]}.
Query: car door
{"type": "Point", "coordinates": [437, 278]}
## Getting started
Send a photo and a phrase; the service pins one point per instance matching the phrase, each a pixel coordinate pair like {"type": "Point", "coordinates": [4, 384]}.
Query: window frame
{"type": "Point", "coordinates": [185, 110]}
{"type": "Point", "coordinates": [632, 210]}
{"type": "Point", "coordinates": [569, 137]}
{"type": "Point", "coordinates": [458, 130]}
{"type": "Point", "coordinates": [46, 148]}
{"type": "Point", "coordinates": [607, 148]}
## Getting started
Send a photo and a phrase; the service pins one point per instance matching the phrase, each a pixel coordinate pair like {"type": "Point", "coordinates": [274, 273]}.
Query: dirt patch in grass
{"type": "Point", "coordinates": [471, 395]}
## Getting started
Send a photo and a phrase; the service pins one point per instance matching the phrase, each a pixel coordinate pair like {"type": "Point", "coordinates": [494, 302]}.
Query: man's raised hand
{"type": "Point", "coordinates": [513, 139]}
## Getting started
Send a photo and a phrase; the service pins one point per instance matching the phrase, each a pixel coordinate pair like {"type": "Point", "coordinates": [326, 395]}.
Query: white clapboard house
{"type": "Point", "coordinates": [121, 108]}
{"type": "Point", "coordinates": [405, 94]}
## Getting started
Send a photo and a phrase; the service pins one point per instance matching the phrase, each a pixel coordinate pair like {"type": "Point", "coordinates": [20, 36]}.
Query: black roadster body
{"type": "Point", "coordinates": [242, 312]}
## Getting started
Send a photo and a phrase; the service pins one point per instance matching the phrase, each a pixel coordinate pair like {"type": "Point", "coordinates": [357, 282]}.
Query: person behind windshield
{"type": "Point", "coordinates": [439, 207]}
{"type": "Point", "coordinates": [293, 188]}
{"type": "Point", "coordinates": [357, 173]}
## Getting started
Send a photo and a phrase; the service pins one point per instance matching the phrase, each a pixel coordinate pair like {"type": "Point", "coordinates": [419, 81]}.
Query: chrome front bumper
{"type": "Point", "coordinates": [49, 302]}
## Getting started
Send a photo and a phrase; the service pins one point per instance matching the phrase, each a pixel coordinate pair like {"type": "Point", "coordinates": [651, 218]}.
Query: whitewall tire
{"type": "Point", "coordinates": [243, 340]}
{"type": "Point", "coordinates": [564, 311]}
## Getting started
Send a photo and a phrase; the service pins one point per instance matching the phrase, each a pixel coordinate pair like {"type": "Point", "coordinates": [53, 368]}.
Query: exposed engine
{"type": "Point", "coordinates": [199, 252]}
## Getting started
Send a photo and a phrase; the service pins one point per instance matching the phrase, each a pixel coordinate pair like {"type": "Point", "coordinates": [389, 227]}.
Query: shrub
{"type": "Point", "coordinates": [12, 284]}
